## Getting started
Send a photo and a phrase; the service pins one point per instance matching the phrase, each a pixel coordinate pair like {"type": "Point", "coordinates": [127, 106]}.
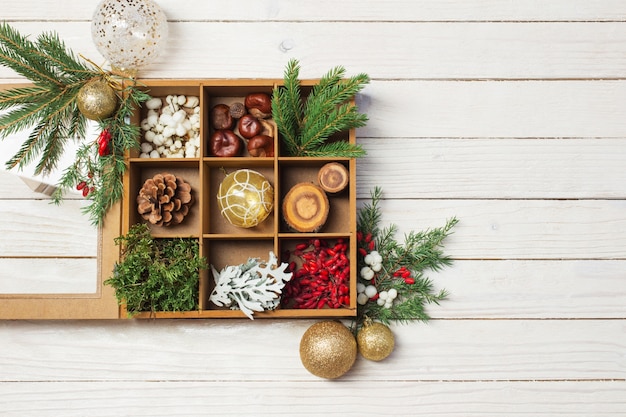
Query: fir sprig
{"type": "Point", "coordinates": [418, 253]}
{"type": "Point", "coordinates": [103, 174]}
{"type": "Point", "coordinates": [50, 110]}
{"type": "Point", "coordinates": [156, 274]}
{"type": "Point", "coordinates": [305, 126]}
{"type": "Point", "coordinates": [49, 106]}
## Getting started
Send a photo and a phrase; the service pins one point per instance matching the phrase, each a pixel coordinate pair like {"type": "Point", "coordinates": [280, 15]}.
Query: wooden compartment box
{"type": "Point", "coordinates": [221, 243]}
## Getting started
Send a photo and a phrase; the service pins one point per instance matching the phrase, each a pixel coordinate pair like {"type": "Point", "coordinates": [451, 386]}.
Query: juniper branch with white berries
{"type": "Point", "coordinates": [392, 284]}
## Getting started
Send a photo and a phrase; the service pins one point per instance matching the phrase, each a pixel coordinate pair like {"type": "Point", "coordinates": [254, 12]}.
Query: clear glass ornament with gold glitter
{"type": "Point", "coordinates": [129, 33]}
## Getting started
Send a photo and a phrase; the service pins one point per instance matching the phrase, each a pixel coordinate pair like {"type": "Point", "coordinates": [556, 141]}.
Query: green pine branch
{"type": "Point", "coordinates": [104, 174]}
{"type": "Point", "coordinates": [48, 107]}
{"type": "Point", "coordinates": [419, 252]}
{"type": "Point", "coordinates": [306, 126]}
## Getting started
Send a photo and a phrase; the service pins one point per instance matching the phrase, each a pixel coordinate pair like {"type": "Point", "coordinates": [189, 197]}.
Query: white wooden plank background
{"type": "Point", "coordinates": [508, 115]}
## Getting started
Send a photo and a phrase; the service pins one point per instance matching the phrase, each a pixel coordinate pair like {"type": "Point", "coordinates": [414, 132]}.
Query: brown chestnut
{"type": "Point", "coordinates": [225, 143]}
{"type": "Point", "coordinates": [220, 117]}
{"type": "Point", "coordinates": [259, 104]}
{"type": "Point", "coordinates": [261, 145]}
{"type": "Point", "coordinates": [249, 126]}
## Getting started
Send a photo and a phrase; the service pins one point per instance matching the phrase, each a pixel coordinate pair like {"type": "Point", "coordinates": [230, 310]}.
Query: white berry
{"type": "Point", "coordinates": [362, 298]}
{"type": "Point", "coordinates": [367, 273]}
{"type": "Point", "coordinates": [370, 291]}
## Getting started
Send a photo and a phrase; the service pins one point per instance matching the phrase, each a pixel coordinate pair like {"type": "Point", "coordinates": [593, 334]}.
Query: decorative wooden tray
{"type": "Point", "coordinates": [221, 243]}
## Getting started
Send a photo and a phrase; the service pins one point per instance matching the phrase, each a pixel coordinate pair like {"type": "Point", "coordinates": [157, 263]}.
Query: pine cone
{"type": "Point", "coordinates": [164, 200]}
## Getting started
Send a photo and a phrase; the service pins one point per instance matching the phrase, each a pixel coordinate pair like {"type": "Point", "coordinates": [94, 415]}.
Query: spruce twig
{"type": "Point", "coordinates": [419, 252]}
{"type": "Point", "coordinates": [306, 125]}
{"type": "Point", "coordinates": [49, 109]}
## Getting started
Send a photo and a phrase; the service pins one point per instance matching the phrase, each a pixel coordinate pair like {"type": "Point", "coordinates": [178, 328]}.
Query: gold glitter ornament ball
{"type": "Point", "coordinates": [375, 341]}
{"type": "Point", "coordinates": [245, 198]}
{"type": "Point", "coordinates": [328, 349]}
{"type": "Point", "coordinates": [96, 100]}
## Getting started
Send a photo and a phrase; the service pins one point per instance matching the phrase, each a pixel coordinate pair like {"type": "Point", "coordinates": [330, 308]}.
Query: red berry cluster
{"type": "Point", "coordinates": [104, 141]}
{"type": "Point", "coordinates": [321, 275]}
{"type": "Point", "coordinates": [366, 243]}
{"type": "Point", "coordinates": [405, 274]}
{"type": "Point", "coordinates": [85, 187]}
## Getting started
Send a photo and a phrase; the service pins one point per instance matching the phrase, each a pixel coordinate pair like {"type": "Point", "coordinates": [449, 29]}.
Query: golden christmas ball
{"type": "Point", "coordinates": [245, 198]}
{"type": "Point", "coordinates": [96, 100]}
{"type": "Point", "coordinates": [375, 341]}
{"type": "Point", "coordinates": [328, 349]}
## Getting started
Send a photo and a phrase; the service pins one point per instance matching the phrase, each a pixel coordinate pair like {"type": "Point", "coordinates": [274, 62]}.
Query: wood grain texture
{"type": "Point", "coordinates": [48, 276]}
{"type": "Point", "coordinates": [518, 229]}
{"type": "Point", "coordinates": [349, 10]}
{"type": "Point", "coordinates": [540, 289]}
{"type": "Point", "coordinates": [224, 398]}
{"type": "Point", "coordinates": [431, 50]}
{"type": "Point", "coordinates": [498, 168]}
{"type": "Point", "coordinates": [236, 350]}
{"type": "Point", "coordinates": [507, 115]}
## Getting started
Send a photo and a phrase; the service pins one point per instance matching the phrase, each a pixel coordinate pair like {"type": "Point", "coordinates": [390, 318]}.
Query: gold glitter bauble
{"type": "Point", "coordinates": [96, 100]}
{"type": "Point", "coordinates": [375, 341]}
{"type": "Point", "coordinates": [245, 198]}
{"type": "Point", "coordinates": [328, 349]}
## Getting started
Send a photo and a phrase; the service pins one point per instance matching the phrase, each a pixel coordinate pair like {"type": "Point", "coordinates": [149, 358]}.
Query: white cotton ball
{"type": "Point", "coordinates": [362, 299]}
{"type": "Point", "coordinates": [154, 103]}
{"type": "Point", "coordinates": [172, 148]}
{"type": "Point", "coordinates": [380, 302]}
{"type": "Point", "coordinates": [376, 267]}
{"type": "Point", "coordinates": [180, 130]}
{"type": "Point", "coordinates": [186, 124]}
{"type": "Point", "coordinates": [360, 287]}
{"type": "Point", "coordinates": [154, 154]}
{"type": "Point", "coordinates": [190, 153]}
{"type": "Point", "coordinates": [393, 293]}
{"type": "Point", "coordinates": [152, 113]}
{"type": "Point", "coordinates": [159, 128]}
{"type": "Point", "coordinates": [161, 149]}
{"type": "Point", "coordinates": [179, 116]}
{"type": "Point", "coordinates": [158, 139]}
{"type": "Point", "coordinates": [196, 109]}
{"type": "Point", "coordinates": [388, 304]}
{"type": "Point", "coordinates": [153, 119]}
{"type": "Point", "coordinates": [192, 101]}
{"type": "Point", "coordinates": [178, 144]}
{"type": "Point", "coordinates": [370, 291]}
{"type": "Point", "coordinates": [144, 155]}
{"type": "Point", "coordinates": [168, 142]}
{"type": "Point", "coordinates": [167, 110]}
{"type": "Point", "coordinates": [145, 125]}
{"type": "Point", "coordinates": [146, 147]}
{"type": "Point", "coordinates": [149, 136]}
{"type": "Point", "coordinates": [181, 100]}
{"type": "Point", "coordinates": [168, 131]}
{"type": "Point", "coordinates": [166, 119]}
{"type": "Point", "coordinates": [383, 295]}
{"type": "Point", "coordinates": [368, 259]}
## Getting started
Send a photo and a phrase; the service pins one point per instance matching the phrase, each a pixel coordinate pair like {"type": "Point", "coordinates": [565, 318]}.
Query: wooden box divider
{"type": "Point", "coordinates": [221, 243]}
